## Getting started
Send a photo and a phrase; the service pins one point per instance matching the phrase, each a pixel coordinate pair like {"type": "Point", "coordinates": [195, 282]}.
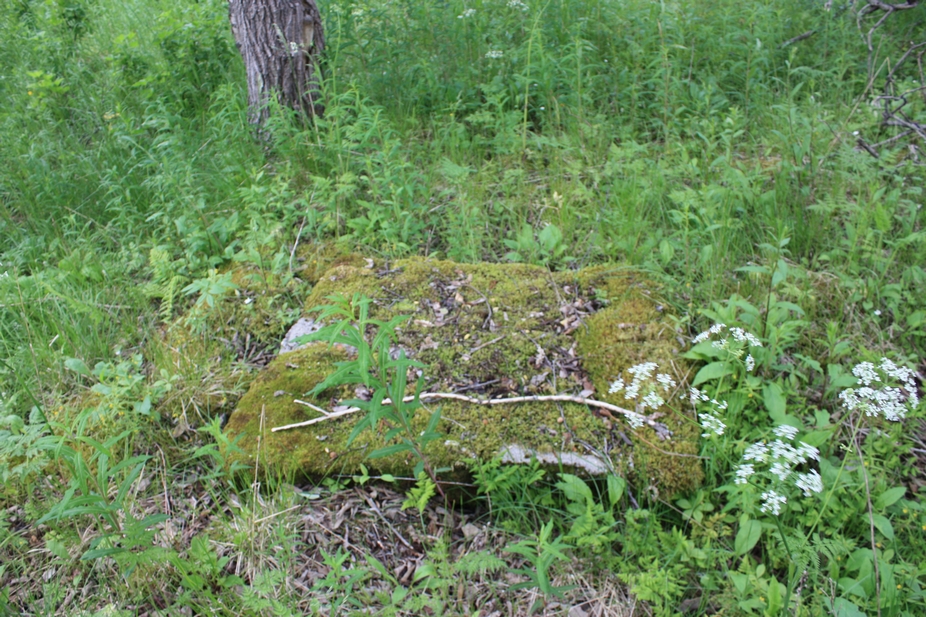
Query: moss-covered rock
{"type": "Point", "coordinates": [489, 331]}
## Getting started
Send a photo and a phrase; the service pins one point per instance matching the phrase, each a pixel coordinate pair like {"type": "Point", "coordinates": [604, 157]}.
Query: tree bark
{"type": "Point", "coordinates": [280, 42]}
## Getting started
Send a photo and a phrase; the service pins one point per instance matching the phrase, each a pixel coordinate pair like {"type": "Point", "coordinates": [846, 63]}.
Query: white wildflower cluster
{"type": "Point", "coordinates": [734, 343]}
{"type": "Point", "coordinates": [643, 380]}
{"type": "Point", "coordinates": [772, 502]}
{"type": "Point", "coordinates": [781, 456]}
{"type": "Point", "coordinates": [710, 422]}
{"type": "Point", "coordinates": [643, 387]}
{"type": "Point", "coordinates": [467, 13]}
{"type": "Point", "coordinates": [517, 4]}
{"type": "Point", "coordinates": [896, 394]}
{"type": "Point", "coordinates": [494, 54]}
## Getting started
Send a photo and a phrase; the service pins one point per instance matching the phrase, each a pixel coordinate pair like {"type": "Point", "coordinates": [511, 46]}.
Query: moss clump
{"type": "Point", "coordinates": [493, 331]}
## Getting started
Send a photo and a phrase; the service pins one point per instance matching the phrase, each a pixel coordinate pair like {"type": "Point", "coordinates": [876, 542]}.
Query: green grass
{"type": "Point", "coordinates": [680, 139]}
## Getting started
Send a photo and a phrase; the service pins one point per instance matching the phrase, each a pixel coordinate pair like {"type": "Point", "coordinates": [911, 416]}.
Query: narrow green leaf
{"type": "Point", "coordinates": [100, 552]}
{"type": "Point", "coordinates": [753, 269]}
{"type": "Point", "coordinates": [389, 450]}
{"type": "Point", "coordinates": [433, 421]}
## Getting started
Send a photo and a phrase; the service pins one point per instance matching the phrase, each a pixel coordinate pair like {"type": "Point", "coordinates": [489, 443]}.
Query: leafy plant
{"type": "Point", "coordinates": [384, 373]}
{"type": "Point", "coordinates": [541, 554]}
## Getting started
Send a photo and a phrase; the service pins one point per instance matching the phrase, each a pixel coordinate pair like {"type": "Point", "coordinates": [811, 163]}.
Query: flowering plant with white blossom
{"type": "Point", "coordinates": [776, 463]}
{"type": "Point", "coordinates": [645, 388]}
{"type": "Point", "coordinates": [733, 340]}
{"type": "Point", "coordinates": [709, 409]}
{"type": "Point", "coordinates": [886, 390]}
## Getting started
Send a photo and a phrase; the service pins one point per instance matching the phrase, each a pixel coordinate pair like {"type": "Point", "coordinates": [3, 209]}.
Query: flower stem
{"type": "Point", "coordinates": [784, 540]}
{"type": "Point", "coordinates": [836, 481]}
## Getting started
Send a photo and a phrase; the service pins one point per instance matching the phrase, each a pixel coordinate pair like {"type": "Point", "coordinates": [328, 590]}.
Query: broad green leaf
{"type": "Point", "coordinates": [739, 581]}
{"type": "Point", "coordinates": [809, 362]}
{"type": "Point", "coordinates": [704, 350]}
{"type": "Point", "coordinates": [781, 273]}
{"type": "Point", "coordinates": [398, 594]}
{"type": "Point", "coordinates": [839, 378]}
{"type": "Point", "coordinates": [845, 608]}
{"type": "Point", "coordinates": [748, 535]}
{"type": "Point", "coordinates": [817, 438]}
{"type": "Point", "coordinates": [883, 525]}
{"type": "Point", "coordinates": [775, 401]}
{"type": "Point", "coordinates": [916, 319]}
{"type": "Point", "coordinates": [889, 497]}
{"type": "Point", "coordinates": [574, 488]}
{"type": "Point", "coordinates": [550, 236]}
{"type": "Point", "coordinates": [616, 486]}
{"type": "Point", "coordinates": [78, 366]}
{"type": "Point", "coordinates": [144, 407]}
{"type": "Point", "coordinates": [714, 370]}
{"type": "Point", "coordinates": [852, 586]}
{"type": "Point", "coordinates": [776, 593]}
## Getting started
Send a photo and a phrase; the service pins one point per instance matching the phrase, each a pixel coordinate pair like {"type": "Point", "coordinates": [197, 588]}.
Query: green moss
{"type": "Point", "coordinates": [516, 329]}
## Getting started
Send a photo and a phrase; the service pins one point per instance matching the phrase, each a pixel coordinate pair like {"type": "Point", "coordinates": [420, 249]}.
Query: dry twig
{"type": "Point", "coordinates": [650, 421]}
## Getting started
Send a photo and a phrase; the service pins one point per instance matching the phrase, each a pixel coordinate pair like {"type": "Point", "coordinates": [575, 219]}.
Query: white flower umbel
{"type": "Point", "coordinates": [643, 388]}
{"type": "Point", "coordinates": [710, 417]}
{"type": "Point", "coordinates": [781, 470]}
{"type": "Point", "coordinates": [717, 328]}
{"type": "Point", "coordinates": [666, 381]}
{"type": "Point", "coordinates": [785, 432]}
{"type": "Point", "coordinates": [743, 473]}
{"type": "Point", "coordinates": [810, 483]}
{"type": "Point", "coordinates": [711, 424]}
{"type": "Point", "coordinates": [772, 502]}
{"type": "Point", "coordinates": [756, 452]}
{"type": "Point", "coordinates": [772, 466]}
{"type": "Point", "coordinates": [518, 4]}
{"type": "Point", "coordinates": [467, 13]}
{"type": "Point", "coordinates": [616, 386]}
{"type": "Point", "coordinates": [738, 343]}
{"type": "Point", "coordinates": [887, 390]}
{"type": "Point", "coordinates": [494, 54]}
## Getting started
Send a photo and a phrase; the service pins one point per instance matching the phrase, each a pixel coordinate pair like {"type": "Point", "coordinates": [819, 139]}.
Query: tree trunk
{"type": "Point", "coordinates": [280, 42]}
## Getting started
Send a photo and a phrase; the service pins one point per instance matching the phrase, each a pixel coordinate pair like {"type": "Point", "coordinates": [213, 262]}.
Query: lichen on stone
{"type": "Point", "coordinates": [489, 331]}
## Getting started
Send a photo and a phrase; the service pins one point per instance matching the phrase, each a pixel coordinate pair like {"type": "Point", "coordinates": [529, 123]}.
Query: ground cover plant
{"type": "Point", "coordinates": [760, 162]}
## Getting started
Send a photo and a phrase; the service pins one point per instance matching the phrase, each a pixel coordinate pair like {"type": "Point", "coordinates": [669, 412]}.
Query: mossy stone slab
{"type": "Point", "coordinates": [489, 331]}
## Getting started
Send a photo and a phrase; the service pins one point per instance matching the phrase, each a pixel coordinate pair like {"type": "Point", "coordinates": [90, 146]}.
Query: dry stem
{"type": "Point", "coordinates": [650, 421]}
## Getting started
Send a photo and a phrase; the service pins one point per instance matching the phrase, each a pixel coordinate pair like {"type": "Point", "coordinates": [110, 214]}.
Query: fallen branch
{"type": "Point", "coordinates": [661, 429]}
{"type": "Point", "coordinates": [798, 38]}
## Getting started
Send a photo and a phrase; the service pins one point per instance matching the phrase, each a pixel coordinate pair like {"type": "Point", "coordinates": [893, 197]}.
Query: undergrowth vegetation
{"type": "Point", "coordinates": [147, 233]}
